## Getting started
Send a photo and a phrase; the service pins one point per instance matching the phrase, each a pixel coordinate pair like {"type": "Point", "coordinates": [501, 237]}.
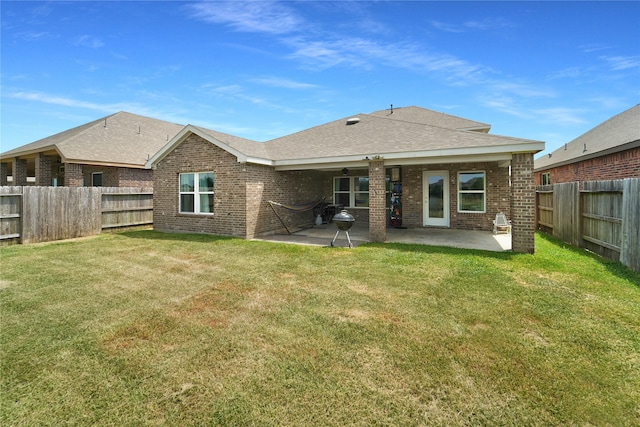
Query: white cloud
{"type": "Point", "coordinates": [283, 83]}
{"type": "Point", "coordinates": [483, 25]}
{"type": "Point", "coordinates": [561, 115]}
{"type": "Point", "coordinates": [249, 16]}
{"type": "Point", "coordinates": [235, 92]}
{"type": "Point", "coordinates": [74, 103]}
{"type": "Point", "coordinates": [449, 28]}
{"type": "Point", "coordinates": [505, 104]}
{"type": "Point", "coordinates": [618, 63]}
{"type": "Point", "coordinates": [31, 36]}
{"type": "Point", "coordinates": [588, 48]}
{"type": "Point", "coordinates": [367, 54]}
{"type": "Point", "coordinates": [569, 73]}
{"type": "Point", "coordinates": [522, 90]}
{"type": "Point", "coordinates": [88, 41]}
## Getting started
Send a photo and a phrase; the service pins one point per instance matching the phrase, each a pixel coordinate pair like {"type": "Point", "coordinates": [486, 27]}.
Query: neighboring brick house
{"type": "Point", "coordinates": [110, 152]}
{"type": "Point", "coordinates": [610, 150]}
{"type": "Point", "coordinates": [440, 170]}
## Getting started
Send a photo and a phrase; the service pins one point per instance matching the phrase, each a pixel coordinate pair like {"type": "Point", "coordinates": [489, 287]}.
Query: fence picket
{"type": "Point", "coordinates": [602, 216]}
{"type": "Point", "coordinates": [39, 214]}
{"type": "Point", "coordinates": [630, 229]}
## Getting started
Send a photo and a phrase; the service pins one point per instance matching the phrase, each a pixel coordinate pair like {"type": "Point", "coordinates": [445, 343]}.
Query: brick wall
{"type": "Point", "coordinates": [285, 187]}
{"type": "Point", "coordinates": [198, 155]}
{"type": "Point", "coordinates": [625, 164]}
{"type": "Point", "coordinates": [522, 203]}
{"type": "Point", "coordinates": [497, 194]}
{"type": "Point", "coordinates": [119, 177]}
{"type": "Point", "coordinates": [130, 177]}
{"type": "Point", "coordinates": [109, 175]}
{"type": "Point", "coordinates": [242, 192]}
{"type": "Point", "coordinates": [72, 175]}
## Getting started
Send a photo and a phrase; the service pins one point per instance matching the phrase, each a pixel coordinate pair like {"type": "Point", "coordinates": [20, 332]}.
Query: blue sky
{"type": "Point", "coordinates": [546, 71]}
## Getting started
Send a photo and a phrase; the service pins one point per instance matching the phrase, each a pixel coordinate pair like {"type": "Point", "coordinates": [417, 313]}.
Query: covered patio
{"type": "Point", "coordinates": [323, 235]}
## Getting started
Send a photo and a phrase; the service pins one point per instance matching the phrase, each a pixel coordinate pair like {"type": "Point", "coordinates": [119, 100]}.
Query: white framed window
{"type": "Point", "coordinates": [96, 179]}
{"type": "Point", "coordinates": [472, 192]}
{"type": "Point", "coordinates": [351, 191]}
{"type": "Point", "coordinates": [545, 178]}
{"type": "Point", "coordinates": [342, 191]}
{"type": "Point", "coordinates": [196, 193]}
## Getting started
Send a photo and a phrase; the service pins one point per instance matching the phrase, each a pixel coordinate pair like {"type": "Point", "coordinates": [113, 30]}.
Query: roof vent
{"type": "Point", "coordinates": [353, 121]}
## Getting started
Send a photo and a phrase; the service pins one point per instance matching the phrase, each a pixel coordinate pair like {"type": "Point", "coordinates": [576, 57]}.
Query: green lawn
{"type": "Point", "coordinates": [144, 328]}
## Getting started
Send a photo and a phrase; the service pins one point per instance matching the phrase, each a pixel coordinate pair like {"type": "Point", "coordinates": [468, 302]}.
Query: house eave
{"type": "Point", "coordinates": [50, 149]}
{"type": "Point", "coordinates": [106, 163]}
{"type": "Point", "coordinates": [459, 155]}
{"type": "Point", "coordinates": [613, 150]}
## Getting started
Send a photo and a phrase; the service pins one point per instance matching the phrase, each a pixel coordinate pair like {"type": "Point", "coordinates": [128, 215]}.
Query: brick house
{"type": "Point", "coordinates": [610, 150]}
{"type": "Point", "coordinates": [110, 152]}
{"type": "Point", "coordinates": [418, 167]}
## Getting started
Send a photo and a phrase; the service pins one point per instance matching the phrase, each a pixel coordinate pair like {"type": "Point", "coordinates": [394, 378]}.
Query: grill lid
{"type": "Point", "coordinates": [343, 216]}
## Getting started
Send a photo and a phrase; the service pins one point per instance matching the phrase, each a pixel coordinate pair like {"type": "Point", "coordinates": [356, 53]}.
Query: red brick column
{"type": "Point", "coordinates": [377, 202]}
{"type": "Point", "coordinates": [43, 170]}
{"type": "Point", "coordinates": [72, 175]}
{"type": "Point", "coordinates": [19, 172]}
{"type": "Point", "coordinates": [523, 197]}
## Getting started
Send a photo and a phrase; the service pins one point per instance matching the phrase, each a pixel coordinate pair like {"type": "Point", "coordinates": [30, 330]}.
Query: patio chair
{"type": "Point", "coordinates": [500, 224]}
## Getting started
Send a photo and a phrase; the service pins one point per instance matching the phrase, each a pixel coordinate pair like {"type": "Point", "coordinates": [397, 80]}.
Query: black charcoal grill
{"type": "Point", "coordinates": [344, 221]}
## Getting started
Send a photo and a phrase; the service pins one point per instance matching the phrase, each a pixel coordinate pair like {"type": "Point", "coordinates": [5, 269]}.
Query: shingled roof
{"type": "Point", "coordinates": [121, 139]}
{"type": "Point", "coordinates": [364, 135]}
{"type": "Point", "coordinates": [620, 132]}
{"type": "Point", "coordinates": [429, 117]}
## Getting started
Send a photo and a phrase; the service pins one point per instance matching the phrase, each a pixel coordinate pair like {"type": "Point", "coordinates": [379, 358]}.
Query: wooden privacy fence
{"type": "Point", "coordinates": [41, 214]}
{"type": "Point", "coordinates": [601, 216]}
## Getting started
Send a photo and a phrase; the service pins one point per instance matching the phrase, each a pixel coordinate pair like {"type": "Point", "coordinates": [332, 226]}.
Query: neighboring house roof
{"type": "Point", "coordinates": [407, 138]}
{"type": "Point", "coordinates": [121, 139]}
{"type": "Point", "coordinates": [620, 132]}
{"type": "Point", "coordinates": [430, 117]}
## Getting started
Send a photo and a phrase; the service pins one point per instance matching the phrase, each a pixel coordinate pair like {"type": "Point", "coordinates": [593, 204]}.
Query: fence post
{"type": "Point", "coordinates": [630, 247]}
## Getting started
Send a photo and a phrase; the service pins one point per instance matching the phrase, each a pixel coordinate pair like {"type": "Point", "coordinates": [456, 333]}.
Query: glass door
{"type": "Point", "coordinates": [435, 186]}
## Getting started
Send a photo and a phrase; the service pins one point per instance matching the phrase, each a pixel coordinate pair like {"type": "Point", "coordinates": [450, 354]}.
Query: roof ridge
{"type": "Point", "coordinates": [392, 109]}
{"type": "Point", "coordinates": [434, 126]}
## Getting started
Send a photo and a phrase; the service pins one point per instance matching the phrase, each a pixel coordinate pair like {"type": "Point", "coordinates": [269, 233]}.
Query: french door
{"type": "Point", "coordinates": [435, 185]}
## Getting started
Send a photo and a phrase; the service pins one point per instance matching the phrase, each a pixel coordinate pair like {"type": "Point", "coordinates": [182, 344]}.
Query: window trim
{"type": "Point", "coordinates": [196, 193]}
{"type": "Point", "coordinates": [483, 191]}
{"type": "Point", "coordinates": [546, 175]}
{"type": "Point", "coordinates": [93, 177]}
{"type": "Point", "coordinates": [352, 192]}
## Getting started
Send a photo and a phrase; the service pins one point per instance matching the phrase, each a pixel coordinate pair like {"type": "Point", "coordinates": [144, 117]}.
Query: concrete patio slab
{"type": "Point", "coordinates": [323, 235]}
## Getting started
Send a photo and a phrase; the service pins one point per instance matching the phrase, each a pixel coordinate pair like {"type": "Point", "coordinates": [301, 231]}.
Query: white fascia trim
{"type": "Point", "coordinates": [322, 162]}
{"type": "Point", "coordinates": [454, 155]}
{"type": "Point", "coordinates": [255, 160]}
{"type": "Point", "coordinates": [451, 159]}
